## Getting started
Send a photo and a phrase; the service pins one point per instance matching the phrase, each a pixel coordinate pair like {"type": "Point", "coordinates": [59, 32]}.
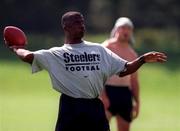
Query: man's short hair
{"type": "Point", "coordinates": [68, 16]}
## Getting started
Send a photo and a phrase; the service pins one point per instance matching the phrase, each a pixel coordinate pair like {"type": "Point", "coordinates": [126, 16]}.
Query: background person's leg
{"type": "Point", "coordinates": [122, 124]}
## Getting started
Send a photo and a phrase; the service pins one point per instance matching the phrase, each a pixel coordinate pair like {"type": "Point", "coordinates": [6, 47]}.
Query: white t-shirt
{"type": "Point", "coordinates": [78, 70]}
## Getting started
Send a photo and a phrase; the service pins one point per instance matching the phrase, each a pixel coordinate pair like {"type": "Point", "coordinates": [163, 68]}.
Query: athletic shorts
{"type": "Point", "coordinates": [78, 114]}
{"type": "Point", "coordinates": [120, 101]}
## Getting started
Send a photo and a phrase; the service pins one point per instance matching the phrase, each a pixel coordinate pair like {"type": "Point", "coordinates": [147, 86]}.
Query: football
{"type": "Point", "coordinates": [14, 36]}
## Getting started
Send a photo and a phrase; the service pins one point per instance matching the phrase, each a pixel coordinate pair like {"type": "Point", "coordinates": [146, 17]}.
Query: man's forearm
{"type": "Point", "coordinates": [149, 57]}
{"type": "Point", "coordinates": [133, 66]}
{"type": "Point", "coordinates": [24, 55]}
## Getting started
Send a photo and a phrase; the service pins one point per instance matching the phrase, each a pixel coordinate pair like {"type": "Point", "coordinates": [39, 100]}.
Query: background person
{"type": "Point", "coordinates": [121, 92]}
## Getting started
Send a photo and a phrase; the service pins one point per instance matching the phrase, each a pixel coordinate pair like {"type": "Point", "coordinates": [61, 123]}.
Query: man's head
{"type": "Point", "coordinates": [73, 25]}
{"type": "Point", "coordinates": [123, 30]}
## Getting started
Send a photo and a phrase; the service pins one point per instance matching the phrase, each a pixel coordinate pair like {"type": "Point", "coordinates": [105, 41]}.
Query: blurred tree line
{"type": "Point", "coordinates": [44, 15]}
{"type": "Point", "coordinates": [156, 21]}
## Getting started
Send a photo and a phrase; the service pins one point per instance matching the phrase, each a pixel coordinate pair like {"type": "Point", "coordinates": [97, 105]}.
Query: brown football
{"type": "Point", "coordinates": [14, 36]}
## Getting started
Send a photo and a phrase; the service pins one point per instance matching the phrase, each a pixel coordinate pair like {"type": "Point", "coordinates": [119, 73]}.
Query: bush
{"type": "Point", "coordinates": [156, 39]}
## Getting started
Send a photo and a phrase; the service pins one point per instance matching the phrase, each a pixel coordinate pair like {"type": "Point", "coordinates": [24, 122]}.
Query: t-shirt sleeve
{"type": "Point", "coordinates": [40, 60]}
{"type": "Point", "coordinates": [115, 63]}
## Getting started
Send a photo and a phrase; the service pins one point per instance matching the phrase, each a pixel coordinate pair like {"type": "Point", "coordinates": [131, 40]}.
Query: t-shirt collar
{"type": "Point", "coordinates": [74, 45]}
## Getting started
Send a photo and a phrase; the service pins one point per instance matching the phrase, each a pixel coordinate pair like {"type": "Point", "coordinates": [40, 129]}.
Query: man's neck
{"type": "Point", "coordinates": [73, 41]}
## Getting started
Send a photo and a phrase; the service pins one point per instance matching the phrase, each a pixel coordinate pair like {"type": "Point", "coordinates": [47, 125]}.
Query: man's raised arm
{"type": "Point", "coordinates": [149, 57]}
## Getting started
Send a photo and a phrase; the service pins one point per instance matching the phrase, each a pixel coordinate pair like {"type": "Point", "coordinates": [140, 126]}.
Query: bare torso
{"type": "Point", "coordinates": [124, 51]}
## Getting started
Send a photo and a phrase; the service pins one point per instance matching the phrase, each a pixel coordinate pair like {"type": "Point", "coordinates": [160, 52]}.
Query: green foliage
{"type": "Point", "coordinates": [39, 41]}
{"type": "Point", "coordinates": [98, 38]}
{"type": "Point", "coordinates": [100, 14]}
{"type": "Point", "coordinates": [156, 39]}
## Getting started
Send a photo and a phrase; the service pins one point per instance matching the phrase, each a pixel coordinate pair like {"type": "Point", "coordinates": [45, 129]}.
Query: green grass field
{"type": "Point", "coordinates": [28, 102]}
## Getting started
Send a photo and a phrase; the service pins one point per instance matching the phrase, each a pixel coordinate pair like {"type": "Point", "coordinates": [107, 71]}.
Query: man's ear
{"type": "Point", "coordinates": [67, 28]}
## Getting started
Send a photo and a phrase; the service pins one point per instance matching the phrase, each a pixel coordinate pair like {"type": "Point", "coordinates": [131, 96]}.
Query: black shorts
{"type": "Point", "coordinates": [78, 114]}
{"type": "Point", "coordinates": [120, 101]}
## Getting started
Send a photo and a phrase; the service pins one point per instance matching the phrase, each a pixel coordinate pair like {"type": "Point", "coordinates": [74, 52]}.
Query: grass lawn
{"type": "Point", "coordinates": [28, 103]}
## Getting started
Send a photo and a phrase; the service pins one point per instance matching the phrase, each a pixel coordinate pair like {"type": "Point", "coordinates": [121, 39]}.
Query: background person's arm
{"type": "Point", "coordinates": [136, 94]}
{"type": "Point", "coordinates": [135, 89]}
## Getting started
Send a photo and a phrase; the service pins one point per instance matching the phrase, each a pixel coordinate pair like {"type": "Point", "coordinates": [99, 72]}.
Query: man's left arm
{"type": "Point", "coordinates": [150, 57]}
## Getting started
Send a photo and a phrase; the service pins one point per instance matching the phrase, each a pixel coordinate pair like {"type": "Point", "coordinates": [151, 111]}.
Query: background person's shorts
{"type": "Point", "coordinates": [76, 114]}
{"type": "Point", "coordinates": [120, 101]}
